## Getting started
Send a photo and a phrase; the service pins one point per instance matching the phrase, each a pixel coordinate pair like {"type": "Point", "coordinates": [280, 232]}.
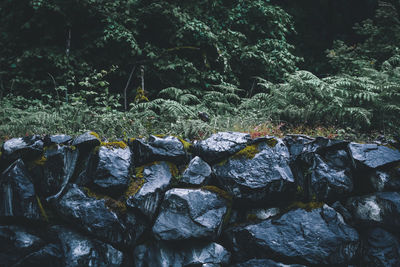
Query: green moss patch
{"type": "Point", "coordinates": [248, 152]}
{"type": "Point", "coordinates": [112, 204]}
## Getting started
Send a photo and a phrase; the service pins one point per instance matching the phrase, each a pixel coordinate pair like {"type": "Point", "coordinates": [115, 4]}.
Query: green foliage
{"type": "Point", "coordinates": [48, 44]}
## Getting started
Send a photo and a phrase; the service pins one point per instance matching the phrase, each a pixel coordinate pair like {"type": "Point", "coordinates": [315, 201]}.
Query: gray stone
{"type": "Point", "coordinates": [28, 147]}
{"type": "Point", "coordinates": [82, 251]}
{"type": "Point", "coordinates": [97, 217]}
{"type": "Point", "coordinates": [18, 197]}
{"type": "Point", "coordinates": [379, 209]}
{"type": "Point", "coordinates": [373, 155]}
{"type": "Point", "coordinates": [20, 247]}
{"type": "Point", "coordinates": [60, 139]}
{"type": "Point", "coordinates": [190, 213]}
{"type": "Point", "coordinates": [319, 236]}
{"type": "Point", "coordinates": [221, 145]}
{"type": "Point", "coordinates": [265, 177]}
{"type": "Point", "coordinates": [163, 254]}
{"type": "Point", "coordinates": [265, 263]}
{"type": "Point", "coordinates": [381, 249]}
{"type": "Point", "coordinates": [112, 171]}
{"type": "Point", "coordinates": [156, 180]}
{"type": "Point", "coordinates": [87, 140]}
{"type": "Point", "coordinates": [168, 148]}
{"type": "Point", "coordinates": [197, 173]}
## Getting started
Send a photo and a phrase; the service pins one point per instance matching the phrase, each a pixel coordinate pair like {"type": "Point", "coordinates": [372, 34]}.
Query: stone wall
{"type": "Point", "coordinates": [228, 200]}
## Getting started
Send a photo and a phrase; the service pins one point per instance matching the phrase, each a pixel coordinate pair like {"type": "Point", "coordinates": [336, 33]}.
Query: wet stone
{"type": "Point", "coordinates": [28, 147]}
{"type": "Point", "coordinates": [319, 236]}
{"type": "Point", "coordinates": [112, 171]}
{"type": "Point", "coordinates": [373, 155]}
{"type": "Point", "coordinates": [264, 177]}
{"type": "Point", "coordinates": [197, 173]}
{"type": "Point", "coordinates": [164, 254]}
{"type": "Point", "coordinates": [18, 197]}
{"type": "Point", "coordinates": [156, 180]}
{"type": "Point", "coordinates": [190, 213]}
{"type": "Point", "coordinates": [221, 145]}
{"type": "Point", "coordinates": [82, 251]}
{"type": "Point", "coordinates": [167, 148]}
{"type": "Point", "coordinates": [378, 209]}
{"type": "Point", "coordinates": [86, 141]}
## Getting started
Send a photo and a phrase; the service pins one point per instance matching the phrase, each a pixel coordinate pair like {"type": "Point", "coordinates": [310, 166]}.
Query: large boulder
{"type": "Point", "coordinates": [100, 216]}
{"type": "Point", "coordinates": [197, 173]}
{"type": "Point", "coordinates": [20, 247]}
{"type": "Point", "coordinates": [381, 249]}
{"type": "Point", "coordinates": [221, 145]}
{"type": "Point", "coordinates": [147, 189]}
{"type": "Point", "coordinates": [260, 172]}
{"type": "Point", "coordinates": [79, 250]}
{"type": "Point", "coordinates": [28, 147]}
{"type": "Point", "coordinates": [379, 209]}
{"type": "Point", "coordinates": [168, 148]}
{"type": "Point", "coordinates": [18, 197]}
{"type": "Point", "coordinates": [190, 213]}
{"type": "Point", "coordinates": [373, 155]}
{"type": "Point", "coordinates": [163, 254]}
{"type": "Point", "coordinates": [111, 173]}
{"type": "Point", "coordinates": [318, 236]}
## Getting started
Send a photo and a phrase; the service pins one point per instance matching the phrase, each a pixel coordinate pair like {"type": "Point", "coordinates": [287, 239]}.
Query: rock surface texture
{"type": "Point", "coordinates": [228, 200]}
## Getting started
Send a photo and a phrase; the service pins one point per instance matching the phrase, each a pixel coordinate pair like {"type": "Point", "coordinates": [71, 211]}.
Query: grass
{"type": "Point", "coordinates": [116, 125]}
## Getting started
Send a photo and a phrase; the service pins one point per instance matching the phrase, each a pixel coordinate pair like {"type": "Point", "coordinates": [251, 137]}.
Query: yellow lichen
{"type": "Point", "coordinates": [112, 204]}
{"type": "Point", "coordinates": [248, 152]}
{"type": "Point", "coordinates": [251, 217]}
{"type": "Point", "coordinates": [306, 206]}
{"type": "Point", "coordinates": [42, 211]}
{"type": "Point", "coordinates": [134, 187]}
{"type": "Point", "coordinates": [272, 142]}
{"type": "Point", "coordinates": [40, 161]}
{"type": "Point", "coordinates": [95, 135]}
{"type": "Point", "coordinates": [219, 191]}
{"type": "Point", "coordinates": [222, 162]}
{"type": "Point", "coordinates": [72, 147]}
{"type": "Point", "coordinates": [116, 144]}
{"type": "Point", "coordinates": [139, 171]}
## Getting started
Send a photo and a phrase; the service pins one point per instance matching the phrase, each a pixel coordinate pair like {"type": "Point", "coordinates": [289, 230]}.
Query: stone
{"type": "Point", "coordinates": [20, 247]}
{"type": "Point", "coordinates": [197, 173]}
{"type": "Point", "coordinates": [221, 145]}
{"type": "Point", "coordinates": [18, 197]}
{"type": "Point", "coordinates": [373, 155]}
{"type": "Point", "coordinates": [98, 216]}
{"type": "Point", "coordinates": [53, 176]}
{"type": "Point", "coordinates": [190, 213]}
{"type": "Point", "coordinates": [111, 174]}
{"type": "Point", "coordinates": [79, 250]}
{"type": "Point", "coordinates": [383, 180]}
{"type": "Point", "coordinates": [87, 140]}
{"type": "Point", "coordinates": [265, 263]}
{"type": "Point", "coordinates": [318, 236]}
{"type": "Point", "coordinates": [381, 249]}
{"type": "Point", "coordinates": [257, 173]}
{"type": "Point", "coordinates": [183, 254]}
{"type": "Point", "coordinates": [150, 188]}
{"type": "Point", "coordinates": [330, 178]}
{"type": "Point", "coordinates": [28, 147]}
{"type": "Point", "coordinates": [167, 148]}
{"type": "Point", "coordinates": [378, 209]}
{"type": "Point", "coordinates": [296, 144]}
{"type": "Point", "coordinates": [61, 139]}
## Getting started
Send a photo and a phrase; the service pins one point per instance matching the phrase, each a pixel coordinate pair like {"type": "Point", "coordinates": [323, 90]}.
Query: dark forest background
{"type": "Point", "coordinates": [132, 66]}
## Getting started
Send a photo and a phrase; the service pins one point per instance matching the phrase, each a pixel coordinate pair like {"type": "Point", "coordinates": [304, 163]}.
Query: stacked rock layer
{"type": "Point", "coordinates": [228, 200]}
